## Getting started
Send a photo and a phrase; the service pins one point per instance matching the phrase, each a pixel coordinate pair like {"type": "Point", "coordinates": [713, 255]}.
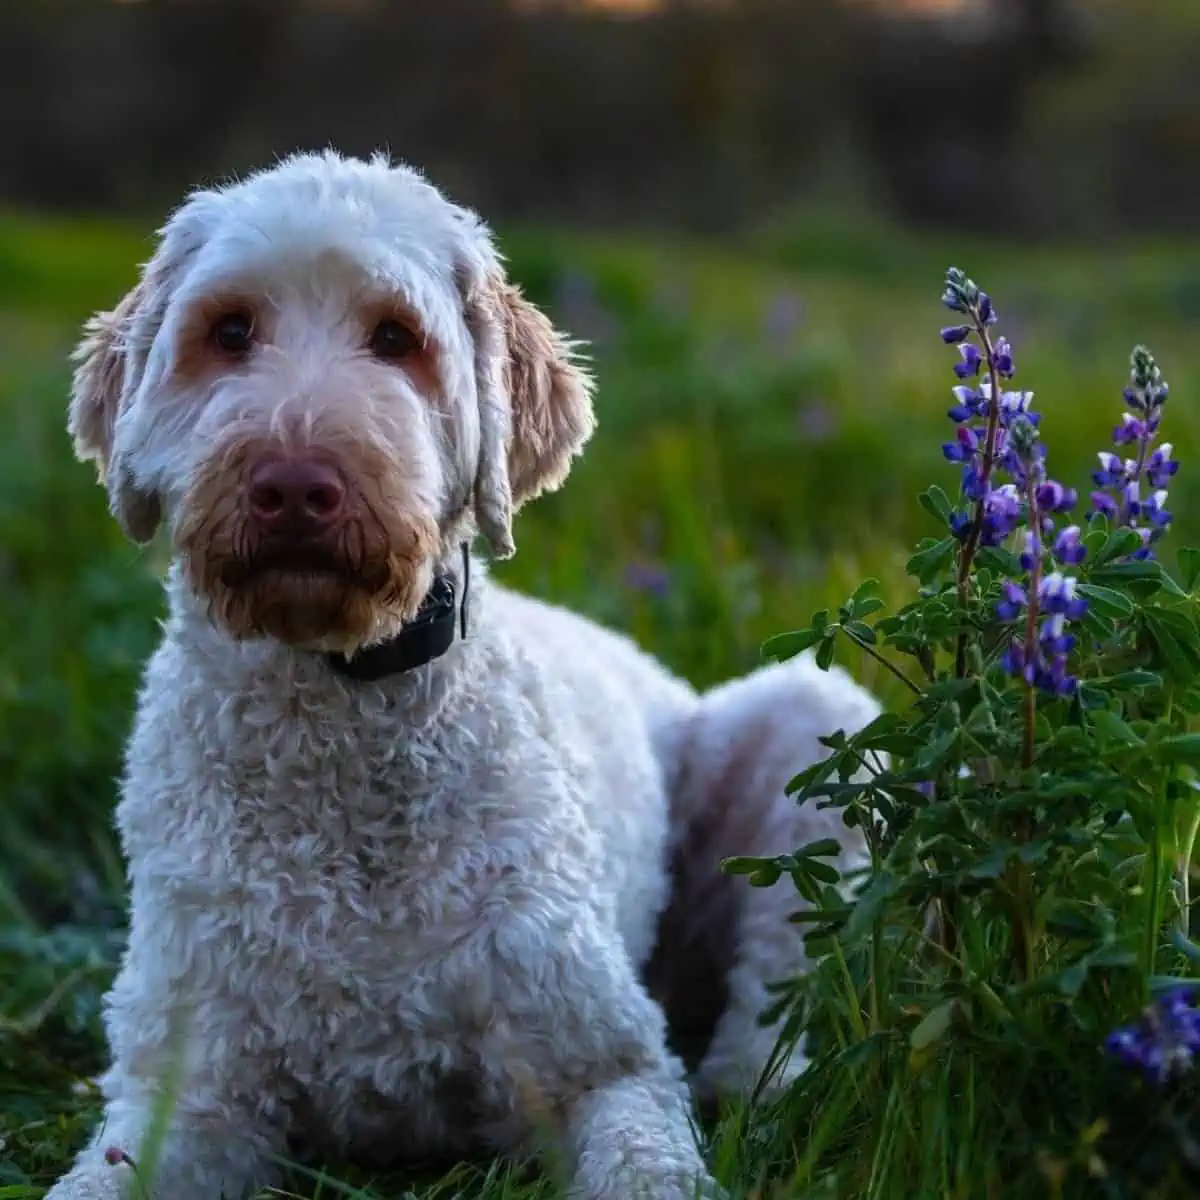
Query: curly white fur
{"type": "Point", "coordinates": [417, 916]}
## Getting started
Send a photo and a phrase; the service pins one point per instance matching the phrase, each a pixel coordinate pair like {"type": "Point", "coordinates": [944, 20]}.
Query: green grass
{"type": "Point", "coordinates": [765, 474]}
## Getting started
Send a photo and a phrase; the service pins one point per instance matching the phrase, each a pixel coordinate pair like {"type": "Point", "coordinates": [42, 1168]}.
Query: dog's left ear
{"type": "Point", "coordinates": [535, 404]}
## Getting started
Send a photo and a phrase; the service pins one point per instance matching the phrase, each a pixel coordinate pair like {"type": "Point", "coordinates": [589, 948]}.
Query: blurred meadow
{"type": "Point", "coordinates": [772, 397]}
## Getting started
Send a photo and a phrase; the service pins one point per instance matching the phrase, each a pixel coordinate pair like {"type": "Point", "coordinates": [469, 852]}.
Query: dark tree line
{"type": "Point", "coordinates": [704, 116]}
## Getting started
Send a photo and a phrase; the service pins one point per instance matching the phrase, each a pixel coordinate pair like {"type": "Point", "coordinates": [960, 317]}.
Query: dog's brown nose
{"type": "Point", "coordinates": [295, 495]}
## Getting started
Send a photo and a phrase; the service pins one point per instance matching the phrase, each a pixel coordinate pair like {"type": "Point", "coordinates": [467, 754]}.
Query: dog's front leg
{"type": "Point", "coordinates": [580, 1049]}
{"type": "Point", "coordinates": [202, 1157]}
{"type": "Point", "coordinates": [192, 1111]}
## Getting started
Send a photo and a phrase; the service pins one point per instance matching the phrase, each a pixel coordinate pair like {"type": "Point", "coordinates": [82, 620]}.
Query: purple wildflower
{"type": "Point", "coordinates": [996, 431]}
{"type": "Point", "coordinates": [1119, 480]}
{"type": "Point", "coordinates": [648, 578]}
{"type": "Point", "coordinates": [981, 441]}
{"type": "Point", "coordinates": [1049, 598]}
{"type": "Point", "coordinates": [783, 318]}
{"type": "Point", "coordinates": [971, 361]}
{"type": "Point", "coordinates": [1166, 1038]}
{"type": "Point", "coordinates": [1068, 548]}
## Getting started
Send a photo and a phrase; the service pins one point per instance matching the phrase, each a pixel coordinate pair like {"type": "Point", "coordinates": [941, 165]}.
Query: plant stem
{"type": "Point", "coordinates": [1185, 874]}
{"type": "Point", "coordinates": [1029, 722]}
{"type": "Point", "coordinates": [883, 661]}
{"type": "Point", "coordinates": [1021, 881]}
{"type": "Point", "coordinates": [1156, 865]}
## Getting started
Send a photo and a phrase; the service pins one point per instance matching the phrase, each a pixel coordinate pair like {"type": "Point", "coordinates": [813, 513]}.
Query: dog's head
{"type": "Point", "coordinates": [321, 382]}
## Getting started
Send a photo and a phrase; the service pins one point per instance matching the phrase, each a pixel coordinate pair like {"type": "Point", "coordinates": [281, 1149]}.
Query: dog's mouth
{"type": "Point", "coordinates": [303, 561]}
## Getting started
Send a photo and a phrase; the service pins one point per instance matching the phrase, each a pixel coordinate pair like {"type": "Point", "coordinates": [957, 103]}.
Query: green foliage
{"type": "Point", "coordinates": [1028, 892]}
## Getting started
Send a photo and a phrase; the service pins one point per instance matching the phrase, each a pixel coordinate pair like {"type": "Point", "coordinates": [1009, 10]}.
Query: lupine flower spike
{"type": "Point", "coordinates": [1120, 480]}
{"type": "Point", "coordinates": [1002, 438]}
{"type": "Point", "coordinates": [1048, 599]}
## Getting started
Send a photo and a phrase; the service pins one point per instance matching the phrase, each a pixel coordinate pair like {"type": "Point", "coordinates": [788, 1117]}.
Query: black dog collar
{"type": "Point", "coordinates": [426, 637]}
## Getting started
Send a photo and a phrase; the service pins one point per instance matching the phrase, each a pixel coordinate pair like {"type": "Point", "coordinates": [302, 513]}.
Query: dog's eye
{"type": "Point", "coordinates": [233, 332]}
{"type": "Point", "coordinates": [392, 340]}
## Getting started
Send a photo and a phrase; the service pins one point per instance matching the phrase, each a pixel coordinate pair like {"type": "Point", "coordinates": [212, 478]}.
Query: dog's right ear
{"type": "Point", "coordinates": [99, 381]}
{"type": "Point", "coordinates": [104, 377]}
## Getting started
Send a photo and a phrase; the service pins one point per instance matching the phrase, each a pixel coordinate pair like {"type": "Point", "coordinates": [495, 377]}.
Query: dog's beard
{"type": "Point", "coordinates": [317, 603]}
{"type": "Point", "coordinates": [351, 584]}
{"type": "Point", "coordinates": [334, 593]}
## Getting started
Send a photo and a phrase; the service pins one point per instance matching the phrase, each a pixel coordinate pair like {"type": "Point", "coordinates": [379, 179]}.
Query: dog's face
{"type": "Point", "coordinates": [321, 382]}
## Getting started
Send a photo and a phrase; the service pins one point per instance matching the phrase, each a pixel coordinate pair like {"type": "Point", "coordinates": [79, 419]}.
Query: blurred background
{"type": "Point", "coordinates": [746, 207]}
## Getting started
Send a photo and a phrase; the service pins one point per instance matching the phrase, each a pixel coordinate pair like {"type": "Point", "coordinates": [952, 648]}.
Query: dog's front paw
{"type": "Point", "coordinates": [628, 1183]}
{"type": "Point", "coordinates": [97, 1184]}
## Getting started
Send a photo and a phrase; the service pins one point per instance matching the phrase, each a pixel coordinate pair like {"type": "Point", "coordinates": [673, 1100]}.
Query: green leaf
{"type": "Point", "coordinates": [870, 903]}
{"type": "Point", "coordinates": [1004, 561]}
{"type": "Point", "coordinates": [741, 865]}
{"type": "Point", "coordinates": [1133, 681]}
{"type": "Point", "coordinates": [936, 503]}
{"type": "Point", "coordinates": [1189, 566]}
{"type": "Point", "coordinates": [1182, 628]}
{"type": "Point", "coordinates": [860, 630]}
{"type": "Point", "coordinates": [783, 646]}
{"type": "Point", "coordinates": [815, 869]}
{"type": "Point", "coordinates": [931, 559]}
{"type": "Point", "coordinates": [812, 775]}
{"type": "Point", "coordinates": [936, 752]}
{"type": "Point", "coordinates": [867, 590]}
{"type": "Point", "coordinates": [825, 652]}
{"type": "Point", "coordinates": [1112, 728]}
{"type": "Point", "coordinates": [1101, 626]}
{"type": "Point", "coordinates": [1139, 577]}
{"type": "Point", "coordinates": [1107, 602]}
{"type": "Point", "coordinates": [765, 876]}
{"type": "Point", "coordinates": [1171, 587]}
{"type": "Point", "coordinates": [864, 608]}
{"type": "Point", "coordinates": [1182, 748]}
{"type": "Point", "coordinates": [934, 1025]}
{"type": "Point", "coordinates": [1072, 920]}
{"type": "Point", "coordinates": [1117, 544]}
{"type": "Point", "coordinates": [1176, 637]}
{"type": "Point", "coordinates": [822, 848]}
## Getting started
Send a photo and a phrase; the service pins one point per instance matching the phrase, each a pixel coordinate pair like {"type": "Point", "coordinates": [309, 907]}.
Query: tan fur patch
{"type": "Point", "coordinates": [99, 380]}
{"type": "Point", "coordinates": [376, 560]}
{"type": "Point", "coordinates": [552, 415]}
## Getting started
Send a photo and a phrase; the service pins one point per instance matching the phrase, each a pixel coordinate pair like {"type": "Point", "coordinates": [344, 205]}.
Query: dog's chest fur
{"type": "Point", "coordinates": [305, 850]}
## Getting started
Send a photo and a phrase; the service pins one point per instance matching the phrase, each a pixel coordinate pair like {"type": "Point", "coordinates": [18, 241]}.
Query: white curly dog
{"type": "Point", "coordinates": [419, 867]}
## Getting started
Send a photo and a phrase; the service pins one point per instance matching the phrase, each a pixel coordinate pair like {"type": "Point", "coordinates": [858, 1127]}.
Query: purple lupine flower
{"type": "Point", "coordinates": [1119, 481]}
{"type": "Point", "coordinates": [996, 431]}
{"type": "Point", "coordinates": [783, 317]}
{"type": "Point", "coordinates": [1004, 359]}
{"type": "Point", "coordinates": [1160, 466]}
{"type": "Point", "coordinates": [1165, 1040]}
{"type": "Point", "coordinates": [1001, 514]}
{"type": "Point", "coordinates": [1014, 600]}
{"type": "Point", "coordinates": [1052, 497]}
{"type": "Point", "coordinates": [997, 509]}
{"type": "Point", "coordinates": [972, 360]}
{"type": "Point", "coordinates": [648, 578]}
{"type": "Point", "coordinates": [1049, 598]}
{"type": "Point", "coordinates": [1068, 549]}
{"type": "Point", "coordinates": [971, 403]}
